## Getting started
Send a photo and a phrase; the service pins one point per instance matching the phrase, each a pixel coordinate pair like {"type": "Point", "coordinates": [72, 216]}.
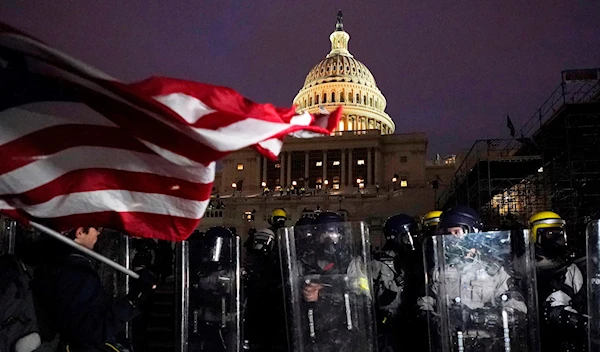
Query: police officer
{"type": "Point", "coordinates": [560, 284]}
{"type": "Point", "coordinates": [429, 224]}
{"type": "Point", "coordinates": [335, 287]}
{"type": "Point", "coordinates": [265, 311]}
{"type": "Point", "coordinates": [214, 316]}
{"type": "Point", "coordinates": [390, 269]}
{"type": "Point", "coordinates": [476, 287]}
{"type": "Point", "coordinates": [277, 220]}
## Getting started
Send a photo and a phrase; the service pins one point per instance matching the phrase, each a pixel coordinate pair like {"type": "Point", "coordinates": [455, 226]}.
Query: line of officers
{"type": "Point", "coordinates": [441, 284]}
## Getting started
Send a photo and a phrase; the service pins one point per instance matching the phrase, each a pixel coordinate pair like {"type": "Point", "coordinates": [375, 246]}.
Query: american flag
{"type": "Point", "coordinates": [79, 147]}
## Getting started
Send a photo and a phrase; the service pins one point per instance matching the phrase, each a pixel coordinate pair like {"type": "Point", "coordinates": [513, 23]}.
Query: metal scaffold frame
{"type": "Point", "coordinates": [553, 163]}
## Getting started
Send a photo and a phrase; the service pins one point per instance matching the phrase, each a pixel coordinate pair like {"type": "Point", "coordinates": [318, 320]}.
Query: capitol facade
{"type": "Point", "coordinates": [364, 170]}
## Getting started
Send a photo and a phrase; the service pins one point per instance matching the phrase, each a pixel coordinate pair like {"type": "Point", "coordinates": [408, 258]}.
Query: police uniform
{"type": "Point", "coordinates": [560, 282]}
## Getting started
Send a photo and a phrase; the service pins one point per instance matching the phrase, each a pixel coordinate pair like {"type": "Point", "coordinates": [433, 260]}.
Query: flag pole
{"type": "Point", "coordinates": [85, 250]}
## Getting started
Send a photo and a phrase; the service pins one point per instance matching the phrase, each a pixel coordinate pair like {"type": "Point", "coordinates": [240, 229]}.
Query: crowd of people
{"type": "Point", "coordinates": [439, 280]}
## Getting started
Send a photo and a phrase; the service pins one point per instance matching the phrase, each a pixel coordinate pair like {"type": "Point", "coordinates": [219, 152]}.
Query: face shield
{"type": "Point", "coordinates": [263, 242]}
{"type": "Point", "coordinates": [331, 237]}
{"type": "Point", "coordinates": [551, 242]}
{"type": "Point", "coordinates": [404, 240]}
{"type": "Point", "coordinates": [279, 222]}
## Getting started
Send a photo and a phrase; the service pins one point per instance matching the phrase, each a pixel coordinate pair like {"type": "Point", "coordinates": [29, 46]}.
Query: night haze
{"type": "Point", "coordinates": [453, 71]}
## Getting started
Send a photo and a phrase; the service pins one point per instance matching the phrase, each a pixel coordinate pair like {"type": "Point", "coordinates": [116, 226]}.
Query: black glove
{"type": "Point", "coordinates": [141, 288]}
{"type": "Point", "coordinates": [387, 297]}
{"type": "Point", "coordinates": [566, 319]}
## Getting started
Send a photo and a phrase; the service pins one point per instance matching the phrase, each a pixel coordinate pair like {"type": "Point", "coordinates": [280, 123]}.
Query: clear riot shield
{"type": "Point", "coordinates": [8, 236]}
{"type": "Point", "coordinates": [482, 293]}
{"type": "Point", "coordinates": [115, 246]}
{"type": "Point", "coordinates": [209, 299]}
{"type": "Point", "coordinates": [593, 279]}
{"type": "Point", "coordinates": [329, 302]}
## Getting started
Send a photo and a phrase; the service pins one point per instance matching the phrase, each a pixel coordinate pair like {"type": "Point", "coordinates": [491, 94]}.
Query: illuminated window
{"type": "Point", "coordinates": [240, 167]}
{"type": "Point", "coordinates": [335, 163]}
{"type": "Point", "coordinates": [336, 186]}
{"type": "Point", "coordinates": [360, 162]}
{"type": "Point", "coordinates": [403, 159]}
{"type": "Point", "coordinates": [319, 163]}
{"type": "Point", "coordinates": [403, 181]}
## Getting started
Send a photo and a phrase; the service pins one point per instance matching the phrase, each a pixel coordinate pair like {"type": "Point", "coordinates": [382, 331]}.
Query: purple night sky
{"type": "Point", "coordinates": [452, 70]}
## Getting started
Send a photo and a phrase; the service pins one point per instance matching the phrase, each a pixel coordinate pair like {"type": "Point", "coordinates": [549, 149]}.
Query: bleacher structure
{"type": "Point", "coordinates": [553, 162]}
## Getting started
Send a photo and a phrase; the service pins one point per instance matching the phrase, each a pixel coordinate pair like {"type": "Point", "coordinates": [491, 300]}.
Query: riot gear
{"type": "Point", "coordinates": [277, 219]}
{"type": "Point", "coordinates": [263, 241]}
{"type": "Point", "coordinates": [397, 272]}
{"type": "Point", "coordinates": [559, 284]}
{"type": "Point", "coordinates": [548, 234]}
{"type": "Point", "coordinates": [593, 276]}
{"type": "Point", "coordinates": [472, 303]}
{"type": "Point", "coordinates": [328, 285]}
{"type": "Point", "coordinates": [265, 316]}
{"type": "Point", "coordinates": [430, 222]}
{"type": "Point", "coordinates": [401, 232]}
{"type": "Point", "coordinates": [328, 228]}
{"type": "Point", "coordinates": [461, 217]}
{"type": "Point", "coordinates": [214, 320]}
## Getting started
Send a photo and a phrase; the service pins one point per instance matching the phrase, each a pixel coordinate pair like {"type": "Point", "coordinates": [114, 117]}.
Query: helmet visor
{"type": "Point", "coordinates": [263, 242]}
{"type": "Point", "coordinates": [554, 236]}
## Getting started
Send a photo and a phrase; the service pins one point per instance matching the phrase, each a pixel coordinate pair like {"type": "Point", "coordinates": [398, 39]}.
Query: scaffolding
{"type": "Point", "coordinates": [504, 189]}
{"type": "Point", "coordinates": [553, 162]}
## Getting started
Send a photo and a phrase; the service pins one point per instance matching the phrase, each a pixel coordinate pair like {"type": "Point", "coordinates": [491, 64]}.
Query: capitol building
{"type": "Point", "coordinates": [365, 170]}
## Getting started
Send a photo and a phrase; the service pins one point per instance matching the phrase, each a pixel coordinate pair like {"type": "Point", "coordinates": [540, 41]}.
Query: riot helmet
{"type": "Point", "coordinates": [459, 220]}
{"type": "Point", "coordinates": [304, 221]}
{"type": "Point", "coordinates": [329, 231]}
{"type": "Point", "coordinates": [400, 232]}
{"type": "Point", "coordinates": [263, 241]}
{"type": "Point", "coordinates": [549, 235]}
{"type": "Point", "coordinates": [430, 222]}
{"type": "Point", "coordinates": [278, 218]}
{"type": "Point", "coordinates": [303, 227]}
{"type": "Point", "coordinates": [217, 245]}
{"type": "Point", "coordinates": [455, 223]}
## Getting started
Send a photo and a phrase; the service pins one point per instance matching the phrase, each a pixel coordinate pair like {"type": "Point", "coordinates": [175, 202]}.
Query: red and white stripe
{"type": "Point", "coordinates": [136, 157]}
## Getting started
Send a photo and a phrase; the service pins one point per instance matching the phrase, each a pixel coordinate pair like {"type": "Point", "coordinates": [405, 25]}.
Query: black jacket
{"type": "Point", "coordinates": [74, 303]}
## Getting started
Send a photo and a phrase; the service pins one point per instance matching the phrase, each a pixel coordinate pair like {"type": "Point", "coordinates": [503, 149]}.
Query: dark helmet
{"type": "Point", "coordinates": [304, 225]}
{"type": "Point", "coordinates": [263, 241]}
{"type": "Point", "coordinates": [401, 231]}
{"type": "Point", "coordinates": [304, 221]}
{"type": "Point", "coordinates": [460, 216]}
{"type": "Point", "coordinates": [329, 229]}
{"type": "Point", "coordinates": [217, 245]}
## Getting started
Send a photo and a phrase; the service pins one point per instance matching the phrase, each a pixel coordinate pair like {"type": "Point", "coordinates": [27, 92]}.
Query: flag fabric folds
{"type": "Point", "coordinates": [79, 147]}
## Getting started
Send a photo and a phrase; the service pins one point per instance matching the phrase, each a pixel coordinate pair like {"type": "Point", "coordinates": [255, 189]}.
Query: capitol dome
{"type": "Point", "coordinates": [340, 79]}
